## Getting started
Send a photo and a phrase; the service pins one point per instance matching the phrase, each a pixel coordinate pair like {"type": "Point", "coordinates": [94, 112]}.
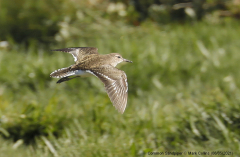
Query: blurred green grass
{"type": "Point", "coordinates": [183, 95]}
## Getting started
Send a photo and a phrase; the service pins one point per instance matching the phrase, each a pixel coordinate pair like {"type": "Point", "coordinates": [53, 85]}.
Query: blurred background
{"type": "Point", "coordinates": [184, 88]}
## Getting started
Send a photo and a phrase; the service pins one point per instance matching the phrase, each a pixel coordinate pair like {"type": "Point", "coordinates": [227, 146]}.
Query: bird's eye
{"type": "Point", "coordinates": [118, 57]}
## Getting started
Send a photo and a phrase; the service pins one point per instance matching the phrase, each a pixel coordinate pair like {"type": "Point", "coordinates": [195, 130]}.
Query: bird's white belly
{"type": "Point", "coordinates": [81, 73]}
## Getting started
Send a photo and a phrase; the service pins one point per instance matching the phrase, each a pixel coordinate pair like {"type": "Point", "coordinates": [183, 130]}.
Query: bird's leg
{"type": "Point", "coordinates": [66, 79]}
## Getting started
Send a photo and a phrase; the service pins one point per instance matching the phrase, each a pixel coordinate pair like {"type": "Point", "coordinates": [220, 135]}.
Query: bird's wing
{"type": "Point", "coordinates": [66, 79]}
{"type": "Point", "coordinates": [79, 52]}
{"type": "Point", "coordinates": [116, 85]}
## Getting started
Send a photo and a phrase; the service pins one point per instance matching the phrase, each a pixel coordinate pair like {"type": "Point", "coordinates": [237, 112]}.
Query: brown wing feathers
{"type": "Point", "coordinates": [115, 85]}
{"type": "Point", "coordinates": [79, 52]}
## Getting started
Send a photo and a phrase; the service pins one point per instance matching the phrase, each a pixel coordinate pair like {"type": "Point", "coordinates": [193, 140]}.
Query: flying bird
{"type": "Point", "coordinates": [89, 62]}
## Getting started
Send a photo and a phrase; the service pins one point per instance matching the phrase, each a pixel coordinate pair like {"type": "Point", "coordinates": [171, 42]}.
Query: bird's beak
{"type": "Point", "coordinates": [125, 60]}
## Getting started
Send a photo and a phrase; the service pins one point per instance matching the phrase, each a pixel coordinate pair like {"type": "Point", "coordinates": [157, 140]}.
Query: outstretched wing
{"type": "Point", "coordinates": [79, 52]}
{"type": "Point", "coordinates": [116, 85]}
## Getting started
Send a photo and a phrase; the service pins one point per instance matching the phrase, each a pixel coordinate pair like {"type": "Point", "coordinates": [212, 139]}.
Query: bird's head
{"type": "Point", "coordinates": [117, 58]}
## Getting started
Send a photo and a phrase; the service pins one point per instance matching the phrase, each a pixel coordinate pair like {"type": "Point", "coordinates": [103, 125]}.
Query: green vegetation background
{"type": "Point", "coordinates": [184, 88]}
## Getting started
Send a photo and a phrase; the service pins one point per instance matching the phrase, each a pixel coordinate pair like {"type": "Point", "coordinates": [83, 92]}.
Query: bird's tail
{"type": "Point", "coordinates": [60, 73]}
